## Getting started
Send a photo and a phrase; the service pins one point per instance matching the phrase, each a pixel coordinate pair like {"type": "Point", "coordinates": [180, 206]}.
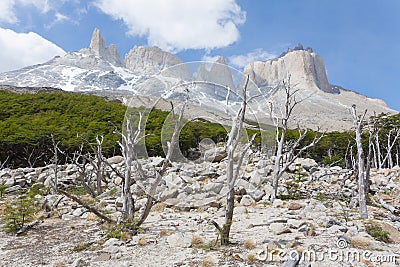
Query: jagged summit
{"type": "Point", "coordinates": [219, 73]}
{"type": "Point", "coordinates": [305, 67]}
{"type": "Point", "coordinates": [149, 60]}
{"type": "Point", "coordinates": [298, 47]}
{"type": "Point", "coordinates": [97, 45]}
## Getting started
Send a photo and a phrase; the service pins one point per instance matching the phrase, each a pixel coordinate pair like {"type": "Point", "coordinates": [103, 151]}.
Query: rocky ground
{"type": "Point", "coordinates": [317, 218]}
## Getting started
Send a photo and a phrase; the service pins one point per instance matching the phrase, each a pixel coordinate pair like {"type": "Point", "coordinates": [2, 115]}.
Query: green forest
{"type": "Point", "coordinates": [27, 122]}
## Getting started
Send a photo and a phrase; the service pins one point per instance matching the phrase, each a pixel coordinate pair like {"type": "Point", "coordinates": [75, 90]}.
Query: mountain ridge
{"type": "Point", "coordinates": [150, 71]}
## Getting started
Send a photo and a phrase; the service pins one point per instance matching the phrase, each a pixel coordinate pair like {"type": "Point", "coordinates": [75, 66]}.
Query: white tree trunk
{"type": "Point", "coordinates": [378, 150]}
{"type": "Point", "coordinates": [99, 164]}
{"type": "Point", "coordinates": [232, 171]}
{"type": "Point", "coordinates": [277, 165]}
{"type": "Point", "coordinates": [361, 168]}
{"type": "Point", "coordinates": [294, 151]}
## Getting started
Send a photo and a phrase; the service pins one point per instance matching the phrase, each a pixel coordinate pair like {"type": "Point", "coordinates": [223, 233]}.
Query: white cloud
{"type": "Point", "coordinates": [18, 50]}
{"type": "Point", "coordinates": [256, 55]}
{"type": "Point", "coordinates": [177, 25]}
{"type": "Point", "coordinates": [58, 18]}
{"type": "Point", "coordinates": [8, 12]}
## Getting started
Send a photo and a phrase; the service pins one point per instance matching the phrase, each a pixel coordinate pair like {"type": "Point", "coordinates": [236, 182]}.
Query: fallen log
{"type": "Point", "coordinates": [27, 227]}
{"type": "Point", "coordinates": [89, 208]}
{"type": "Point", "coordinates": [392, 209]}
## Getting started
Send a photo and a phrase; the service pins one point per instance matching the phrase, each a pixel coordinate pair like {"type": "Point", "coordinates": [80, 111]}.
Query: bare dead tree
{"type": "Point", "coordinates": [30, 156]}
{"type": "Point", "coordinates": [385, 141]}
{"type": "Point", "coordinates": [391, 208]}
{"type": "Point", "coordinates": [374, 156]}
{"type": "Point", "coordinates": [84, 175]}
{"type": "Point", "coordinates": [88, 207]}
{"type": "Point", "coordinates": [82, 161]}
{"type": "Point", "coordinates": [99, 163]}
{"type": "Point", "coordinates": [346, 155]}
{"type": "Point", "coordinates": [2, 164]}
{"type": "Point", "coordinates": [281, 123]}
{"type": "Point", "coordinates": [85, 179]}
{"type": "Point", "coordinates": [372, 130]}
{"type": "Point", "coordinates": [378, 150]}
{"type": "Point", "coordinates": [233, 167]}
{"type": "Point", "coordinates": [171, 145]}
{"type": "Point", "coordinates": [129, 142]}
{"type": "Point", "coordinates": [360, 159]}
{"type": "Point", "coordinates": [389, 146]}
{"type": "Point", "coordinates": [55, 151]}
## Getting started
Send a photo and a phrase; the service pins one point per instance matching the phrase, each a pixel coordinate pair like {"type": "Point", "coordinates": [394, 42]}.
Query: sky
{"type": "Point", "coordinates": [358, 39]}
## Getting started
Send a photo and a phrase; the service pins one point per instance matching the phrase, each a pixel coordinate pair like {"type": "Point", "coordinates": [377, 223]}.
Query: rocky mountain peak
{"type": "Point", "coordinates": [150, 60]}
{"type": "Point", "coordinates": [219, 73]}
{"type": "Point", "coordinates": [97, 45]}
{"type": "Point", "coordinates": [221, 60]}
{"type": "Point", "coordinates": [305, 67]}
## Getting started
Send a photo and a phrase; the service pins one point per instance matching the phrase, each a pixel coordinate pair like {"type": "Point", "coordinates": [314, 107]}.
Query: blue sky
{"type": "Point", "coordinates": [359, 40]}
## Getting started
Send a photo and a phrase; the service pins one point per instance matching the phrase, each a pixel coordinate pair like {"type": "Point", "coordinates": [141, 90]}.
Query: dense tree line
{"type": "Point", "coordinates": [27, 122]}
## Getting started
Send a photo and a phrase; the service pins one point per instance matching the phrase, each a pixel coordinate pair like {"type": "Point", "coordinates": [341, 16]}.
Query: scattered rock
{"type": "Point", "coordinates": [67, 217]}
{"type": "Point", "coordinates": [257, 195]}
{"type": "Point", "coordinates": [279, 228]}
{"type": "Point", "coordinates": [247, 200]}
{"type": "Point", "coordinates": [102, 257]}
{"type": "Point", "coordinates": [118, 181]}
{"type": "Point", "coordinates": [115, 160]}
{"type": "Point", "coordinates": [332, 222]}
{"type": "Point", "coordinates": [79, 262]}
{"type": "Point", "coordinates": [111, 249]}
{"type": "Point", "coordinates": [213, 187]}
{"type": "Point", "coordinates": [394, 234]}
{"type": "Point", "coordinates": [13, 188]}
{"type": "Point", "coordinates": [362, 242]}
{"type": "Point", "coordinates": [179, 240]}
{"type": "Point", "coordinates": [294, 206]}
{"type": "Point", "coordinates": [277, 203]}
{"type": "Point", "coordinates": [78, 212]}
{"type": "Point", "coordinates": [113, 242]}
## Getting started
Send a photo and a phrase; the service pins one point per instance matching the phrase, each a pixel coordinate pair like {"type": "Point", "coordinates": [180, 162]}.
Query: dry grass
{"type": "Point", "coordinates": [60, 264]}
{"type": "Point", "coordinates": [249, 244]}
{"type": "Point", "coordinates": [91, 217]}
{"type": "Point", "coordinates": [197, 241]}
{"type": "Point", "coordinates": [102, 203]}
{"type": "Point", "coordinates": [207, 262]}
{"type": "Point", "coordinates": [361, 242]}
{"type": "Point", "coordinates": [165, 232]}
{"type": "Point", "coordinates": [159, 207]}
{"type": "Point", "coordinates": [142, 241]}
{"type": "Point", "coordinates": [87, 199]}
{"type": "Point", "coordinates": [251, 257]}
